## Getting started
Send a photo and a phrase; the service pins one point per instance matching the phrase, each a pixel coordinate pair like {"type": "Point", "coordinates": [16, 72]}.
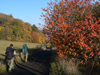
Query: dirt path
{"type": "Point", "coordinates": [37, 65]}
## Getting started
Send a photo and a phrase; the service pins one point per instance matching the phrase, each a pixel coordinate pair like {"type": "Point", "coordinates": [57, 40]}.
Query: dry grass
{"type": "Point", "coordinates": [69, 67]}
{"type": "Point", "coordinates": [62, 67]}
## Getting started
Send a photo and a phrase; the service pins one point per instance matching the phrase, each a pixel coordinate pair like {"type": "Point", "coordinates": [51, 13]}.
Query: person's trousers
{"type": "Point", "coordinates": [11, 64]}
{"type": "Point", "coordinates": [26, 56]}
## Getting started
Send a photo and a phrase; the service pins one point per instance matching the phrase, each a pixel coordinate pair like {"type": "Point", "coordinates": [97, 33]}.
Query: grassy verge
{"type": "Point", "coordinates": [34, 48]}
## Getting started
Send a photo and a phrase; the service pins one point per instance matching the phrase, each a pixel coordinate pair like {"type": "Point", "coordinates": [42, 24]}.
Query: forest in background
{"type": "Point", "coordinates": [16, 30]}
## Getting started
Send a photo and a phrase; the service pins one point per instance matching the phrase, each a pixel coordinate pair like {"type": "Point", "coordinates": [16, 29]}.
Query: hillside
{"type": "Point", "coordinates": [16, 30]}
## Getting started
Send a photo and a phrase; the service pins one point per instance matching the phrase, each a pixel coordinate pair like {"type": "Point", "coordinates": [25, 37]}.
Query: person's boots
{"type": "Point", "coordinates": [9, 70]}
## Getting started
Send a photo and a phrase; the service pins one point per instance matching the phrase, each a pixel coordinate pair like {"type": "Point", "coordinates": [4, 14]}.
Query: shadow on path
{"type": "Point", "coordinates": [36, 65]}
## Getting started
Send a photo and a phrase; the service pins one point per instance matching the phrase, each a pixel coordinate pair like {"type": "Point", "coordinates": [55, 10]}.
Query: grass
{"type": "Point", "coordinates": [17, 45]}
{"type": "Point", "coordinates": [33, 49]}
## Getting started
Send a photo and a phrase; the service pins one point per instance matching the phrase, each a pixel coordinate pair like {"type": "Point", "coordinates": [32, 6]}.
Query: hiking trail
{"type": "Point", "coordinates": [37, 65]}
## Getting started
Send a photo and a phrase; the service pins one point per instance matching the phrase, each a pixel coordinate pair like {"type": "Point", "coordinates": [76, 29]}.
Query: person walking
{"type": "Point", "coordinates": [25, 52]}
{"type": "Point", "coordinates": [10, 57]}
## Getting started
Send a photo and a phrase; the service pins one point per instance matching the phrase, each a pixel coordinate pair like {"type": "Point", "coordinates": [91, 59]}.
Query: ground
{"type": "Point", "coordinates": [37, 65]}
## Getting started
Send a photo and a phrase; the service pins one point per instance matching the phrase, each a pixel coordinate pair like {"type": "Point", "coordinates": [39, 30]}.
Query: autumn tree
{"type": "Point", "coordinates": [35, 37]}
{"type": "Point", "coordinates": [73, 29]}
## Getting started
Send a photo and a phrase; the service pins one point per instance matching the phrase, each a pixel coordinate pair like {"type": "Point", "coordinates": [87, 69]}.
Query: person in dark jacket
{"type": "Point", "coordinates": [10, 57]}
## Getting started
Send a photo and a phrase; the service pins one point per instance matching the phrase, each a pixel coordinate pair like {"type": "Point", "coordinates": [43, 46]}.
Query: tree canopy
{"type": "Point", "coordinates": [74, 28]}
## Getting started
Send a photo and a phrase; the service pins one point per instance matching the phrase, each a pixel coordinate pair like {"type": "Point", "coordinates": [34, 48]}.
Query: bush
{"type": "Point", "coordinates": [55, 69]}
{"type": "Point", "coordinates": [63, 67]}
{"type": "Point", "coordinates": [69, 67]}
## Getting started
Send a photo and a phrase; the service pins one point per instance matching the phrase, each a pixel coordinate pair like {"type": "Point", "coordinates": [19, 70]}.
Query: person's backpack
{"type": "Point", "coordinates": [24, 50]}
{"type": "Point", "coordinates": [8, 53]}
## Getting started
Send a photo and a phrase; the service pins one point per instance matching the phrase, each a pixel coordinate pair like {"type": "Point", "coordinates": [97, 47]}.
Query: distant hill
{"type": "Point", "coordinates": [15, 29]}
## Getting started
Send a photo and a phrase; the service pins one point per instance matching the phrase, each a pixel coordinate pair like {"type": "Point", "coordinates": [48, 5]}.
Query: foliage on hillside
{"type": "Point", "coordinates": [17, 30]}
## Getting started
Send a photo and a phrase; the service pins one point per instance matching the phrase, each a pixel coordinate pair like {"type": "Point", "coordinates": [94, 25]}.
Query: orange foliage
{"type": "Point", "coordinates": [73, 28]}
{"type": "Point", "coordinates": [35, 37]}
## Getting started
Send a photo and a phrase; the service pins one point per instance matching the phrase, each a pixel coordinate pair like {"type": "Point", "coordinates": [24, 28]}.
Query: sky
{"type": "Point", "coordinates": [26, 10]}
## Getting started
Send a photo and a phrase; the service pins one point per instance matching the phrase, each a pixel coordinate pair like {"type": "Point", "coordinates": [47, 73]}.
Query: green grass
{"type": "Point", "coordinates": [17, 45]}
{"type": "Point", "coordinates": [33, 49]}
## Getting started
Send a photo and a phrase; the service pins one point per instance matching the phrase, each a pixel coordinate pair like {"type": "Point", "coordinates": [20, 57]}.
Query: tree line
{"type": "Point", "coordinates": [16, 30]}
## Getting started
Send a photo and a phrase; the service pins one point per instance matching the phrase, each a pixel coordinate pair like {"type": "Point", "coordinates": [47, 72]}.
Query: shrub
{"type": "Point", "coordinates": [63, 67]}
{"type": "Point", "coordinates": [55, 69]}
